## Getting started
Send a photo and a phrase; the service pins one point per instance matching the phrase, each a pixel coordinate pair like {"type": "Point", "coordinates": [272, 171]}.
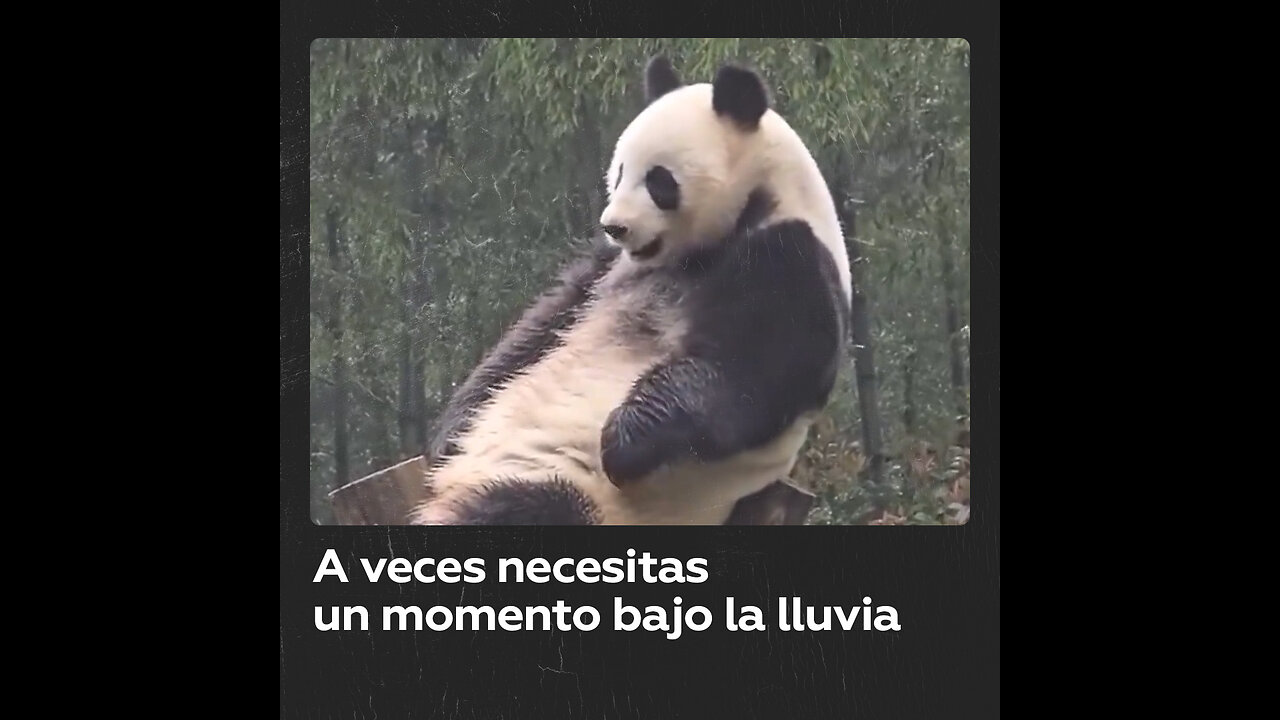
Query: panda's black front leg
{"type": "Point", "coordinates": [763, 347]}
{"type": "Point", "coordinates": [687, 408]}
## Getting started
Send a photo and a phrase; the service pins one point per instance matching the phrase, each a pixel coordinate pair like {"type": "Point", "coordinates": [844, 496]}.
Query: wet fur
{"type": "Point", "coordinates": [670, 388]}
{"type": "Point", "coordinates": [718, 357]}
{"type": "Point", "coordinates": [763, 349]}
{"type": "Point", "coordinates": [536, 333]}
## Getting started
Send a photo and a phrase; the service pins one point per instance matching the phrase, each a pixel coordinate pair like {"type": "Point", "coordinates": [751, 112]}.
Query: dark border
{"type": "Point", "coordinates": [944, 581]}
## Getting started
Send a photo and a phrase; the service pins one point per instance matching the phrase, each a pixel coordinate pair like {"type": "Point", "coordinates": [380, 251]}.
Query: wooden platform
{"type": "Point", "coordinates": [383, 498]}
{"type": "Point", "coordinates": [388, 496]}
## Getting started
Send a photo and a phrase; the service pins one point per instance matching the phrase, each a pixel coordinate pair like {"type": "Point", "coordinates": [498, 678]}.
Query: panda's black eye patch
{"type": "Point", "coordinates": [662, 187]}
{"type": "Point", "coordinates": [621, 168]}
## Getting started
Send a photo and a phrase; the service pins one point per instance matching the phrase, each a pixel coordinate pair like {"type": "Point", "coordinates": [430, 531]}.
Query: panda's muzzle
{"type": "Point", "coordinates": [648, 251]}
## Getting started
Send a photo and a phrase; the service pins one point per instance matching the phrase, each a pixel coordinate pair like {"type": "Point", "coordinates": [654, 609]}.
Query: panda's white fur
{"type": "Point", "coordinates": [720, 164]}
{"type": "Point", "coordinates": [544, 420]}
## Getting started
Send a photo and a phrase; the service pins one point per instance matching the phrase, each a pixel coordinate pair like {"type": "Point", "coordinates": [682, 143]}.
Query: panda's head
{"type": "Point", "coordinates": [691, 162]}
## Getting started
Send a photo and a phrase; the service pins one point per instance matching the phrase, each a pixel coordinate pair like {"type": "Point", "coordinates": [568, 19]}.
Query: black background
{"type": "Point", "coordinates": [943, 581]}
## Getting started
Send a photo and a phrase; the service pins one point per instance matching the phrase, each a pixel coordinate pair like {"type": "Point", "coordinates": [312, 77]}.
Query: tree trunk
{"type": "Point", "coordinates": [377, 401]}
{"type": "Point", "coordinates": [442, 351]}
{"type": "Point", "coordinates": [480, 335]}
{"type": "Point", "coordinates": [341, 451]}
{"type": "Point", "coordinates": [591, 164]}
{"type": "Point", "coordinates": [420, 401]}
{"type": "Point", "coordinates": [864, 366]}
{"type": "Point", "coordinates": [429, 208]}
{"type": "Point", "coordinates": [405, 414]}
{"type": "Point", "coordinates": [909, 393]}
{"type": "Point", "coordinates": [413, 429]}
{"type": "Point", "coordinates": [932, 177]}
{"type": "Point", "coordinates": [953, 325]}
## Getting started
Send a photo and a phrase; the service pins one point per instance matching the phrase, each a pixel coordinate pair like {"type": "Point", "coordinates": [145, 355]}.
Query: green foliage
{"type": "Point", "coordinates": [465, 171]}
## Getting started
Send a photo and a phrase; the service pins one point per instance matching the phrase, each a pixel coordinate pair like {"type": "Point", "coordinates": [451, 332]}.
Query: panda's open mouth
{"type": "Point", "coordinates": [649, 250]}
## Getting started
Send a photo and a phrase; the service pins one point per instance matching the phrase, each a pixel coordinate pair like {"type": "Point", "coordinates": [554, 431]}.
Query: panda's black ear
{"type": "Point", "coordinates": [659, 78]}
{"type": "Point", "coordinates": [740, 94]}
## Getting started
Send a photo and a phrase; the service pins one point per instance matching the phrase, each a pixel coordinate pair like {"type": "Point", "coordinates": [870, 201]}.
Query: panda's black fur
{"type": "Point", "coordinates": [516, 501]}
{"type": "Point", "coordinates": [763, 347]}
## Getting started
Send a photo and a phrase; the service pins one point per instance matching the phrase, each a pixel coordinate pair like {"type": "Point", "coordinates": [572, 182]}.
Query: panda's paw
{"type": "Point", "coordinates": [628, 448]}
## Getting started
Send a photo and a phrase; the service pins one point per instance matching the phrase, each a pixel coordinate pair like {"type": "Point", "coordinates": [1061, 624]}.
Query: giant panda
{"type": "Point", "coordinates": [675, 369]}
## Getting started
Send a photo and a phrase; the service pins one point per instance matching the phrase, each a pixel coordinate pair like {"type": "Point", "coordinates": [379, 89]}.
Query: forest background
{"type": "Point", "coordinates": [451, 178]}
